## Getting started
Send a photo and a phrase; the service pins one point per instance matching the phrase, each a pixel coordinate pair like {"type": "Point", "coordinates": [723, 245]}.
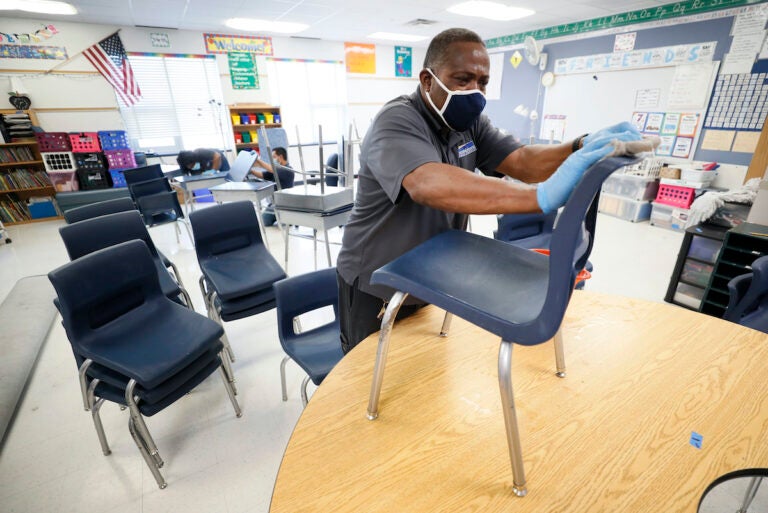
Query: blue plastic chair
{"type": "Point", "coordinates": [526, 230]}
{"type": "Point", "coordinates": [748, 302]}
{"type": "Point", "coordinates": [132, 344]}
{"type": "Point", "coordinates": [87, 236]}
{"type": "Point", "coordinates": [517, 294]}
{"type": "Point", "coordinates": [318, 350]}
{"type": "Point", "coordinates": [113, 206]}
{"type": "Point", "coordinates": [237, 269]}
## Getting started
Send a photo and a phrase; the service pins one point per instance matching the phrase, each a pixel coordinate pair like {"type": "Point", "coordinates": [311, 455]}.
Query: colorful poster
{"type": "Point", "coordinates": [403, 55]}
{"type": "Point", "coordinates": [360, 58]}
{"type": "Point", "coordinates": [639, 119]}
{"type": "Point", "coordinates": [654, 122]}
{"type": "Point", "coordinates": [242, 71]}
{"type": "Point", "coordinates": [665, 148]}
{"type": "Point", "coordinates": [33, 52]}
{"type": "Point", "coordinates": [671, 123]}
{"type": "Point", "coordinates": [682, 147]}
{"type": "Point", "coordinates": [688, 124]}
{"type": "Point", "coordinates": [220, 43]}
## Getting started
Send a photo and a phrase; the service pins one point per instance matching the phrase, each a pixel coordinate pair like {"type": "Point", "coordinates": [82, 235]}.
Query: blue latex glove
{"type": "Point", "coordinates": [624, 126]}
{"type": "Point", "coordinates": [554, 192]}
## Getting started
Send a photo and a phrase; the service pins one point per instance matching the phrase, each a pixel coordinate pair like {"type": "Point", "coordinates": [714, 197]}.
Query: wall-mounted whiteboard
{"type": "Point", "coordinates": [591, 101]}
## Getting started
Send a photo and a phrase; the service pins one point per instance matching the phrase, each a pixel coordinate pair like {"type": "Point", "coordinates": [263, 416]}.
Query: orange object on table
{"type": "Point", "coordinates": [583, 274]}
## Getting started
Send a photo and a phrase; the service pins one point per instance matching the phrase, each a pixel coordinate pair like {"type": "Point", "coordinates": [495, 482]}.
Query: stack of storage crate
{"type": "Point", "coordinates": [628, 192]}
{"type": "Point", "coordinates": [91, 172]}
{"type": "Point", "coordinates": [118, 155]}
{"type": "Point", "coordinates": [673, 201]}
{"type": "Point", "coordinates": [56, 151]}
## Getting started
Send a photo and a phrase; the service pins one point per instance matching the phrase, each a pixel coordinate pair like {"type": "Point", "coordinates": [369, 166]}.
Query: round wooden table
{"type": "Point", "coordinates": [618, 434]}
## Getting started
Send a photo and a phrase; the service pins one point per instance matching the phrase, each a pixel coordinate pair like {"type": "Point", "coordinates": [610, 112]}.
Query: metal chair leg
{"type": "Point", "coordinates": [214, 314]}
{"type": "Point", "coordinates": [176, 274]}
{"type": "Point", "coordinates": [230, 390]}
{"type": "Point", "coordinates": [559, 354]}
{"type": "Point", "coordinates": [510, 418]}
{"type": "Point", "coordinates": [140, 443]}
{"type": "Point", "coordinates": [446, 324]}
{"type": "Point", "coordinates": [285, 360]}
{"type": "Point", "coordinates": [95, 406]}
{"type": "Point", "coordinates": [227, 366]}
{"type": "Point", "coordinates": [189, 231]}
{"type": "Point", "coordinates": [138, 420]}
{"type": "Point", "coordinates": [327, 247]}
{"type": "Point", "coordinates": [749, 496]}
{"type": "Point", "coordinates": [381, 353]}
{"type": "Point", "coordinates": [187, 299]}
{"type": "Point", "coordinates": [304, 384]}
{"type": "Point", "coordinates": [84, 383]}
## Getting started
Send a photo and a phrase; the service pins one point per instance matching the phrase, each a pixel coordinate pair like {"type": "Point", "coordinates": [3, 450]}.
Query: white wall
{"type": "Point", "coordinates": [85, 102]}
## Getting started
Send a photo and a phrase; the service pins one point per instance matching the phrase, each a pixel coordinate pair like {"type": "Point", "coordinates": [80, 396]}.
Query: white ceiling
{"type": "Point", "coordinates": [340, 20]}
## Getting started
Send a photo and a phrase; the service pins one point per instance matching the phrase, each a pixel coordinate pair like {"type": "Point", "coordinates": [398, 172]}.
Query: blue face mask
{"type": "Point", "coordinates": [196, 167]}
{"type": "Point", "coordinates": [461, 108]}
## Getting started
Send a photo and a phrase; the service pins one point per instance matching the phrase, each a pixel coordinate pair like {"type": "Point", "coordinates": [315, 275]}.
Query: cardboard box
{"type": "Point", "coordinates": [670, 172]}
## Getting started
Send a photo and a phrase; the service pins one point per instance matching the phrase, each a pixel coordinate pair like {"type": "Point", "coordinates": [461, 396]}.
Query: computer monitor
{"type": "Point", "coordinates": [242, 165]}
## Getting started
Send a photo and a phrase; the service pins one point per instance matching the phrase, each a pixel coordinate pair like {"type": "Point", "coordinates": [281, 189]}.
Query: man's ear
{"type": "Point", "coordinates": [425, 79]}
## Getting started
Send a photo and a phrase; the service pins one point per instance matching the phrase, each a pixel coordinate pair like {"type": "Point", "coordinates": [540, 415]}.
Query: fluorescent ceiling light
{"type": "Point", "coordinates": [392, 36]}
{"type": "Point", "coordinates": [491, 10]}
{"type": "Point", "coordinates": [38, 6]}
{"type": "Point", "coordinates": [254, 25]}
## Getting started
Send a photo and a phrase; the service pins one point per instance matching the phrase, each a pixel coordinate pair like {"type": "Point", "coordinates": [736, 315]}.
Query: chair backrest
{"type": "Point", "coordinates": [142, 174]}
{"type": "Point", "coordinates": [242, 165]}
{"type": "Point", "coordinates": [104, 285]}
{"type": "Point", "coordinates": [101, 208]}
{"type": "Point", "coordinates": [514, 227]}
{"type": "Point", "coordinates": [222, 228]}
{"type": "Point", "coordinates": [571, 242]}
{"type": "Point", "coordinates": [90, 235]}
{"type": "Point", "coordinates": [304, 293]}
{"type": "Point", "coordinates": [748, 304]}
{"type": "Point", "coordinates": [333, 163]}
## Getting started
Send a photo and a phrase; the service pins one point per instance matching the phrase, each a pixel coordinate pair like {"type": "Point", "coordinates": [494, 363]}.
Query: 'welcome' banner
{"type": "Point", "coordinates": [220, 43]}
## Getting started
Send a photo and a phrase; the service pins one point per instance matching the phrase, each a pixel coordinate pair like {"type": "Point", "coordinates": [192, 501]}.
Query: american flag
{"type": "Point", "coordinates": [108, 56]}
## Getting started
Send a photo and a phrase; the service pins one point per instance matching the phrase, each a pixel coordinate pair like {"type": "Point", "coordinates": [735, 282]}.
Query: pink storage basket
{"type": "Point", "coordinates": [675, 195]}
{"type": "Point", "coordinates": [85, 142]}
{"type": "Point", "coordinates": [120, 159]}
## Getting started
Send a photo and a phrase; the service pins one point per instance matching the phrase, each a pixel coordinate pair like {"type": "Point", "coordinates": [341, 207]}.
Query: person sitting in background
{"type": "Point", "coordinates": [202, 160]}
{"type": "Point", "coordinates": [284, 174]}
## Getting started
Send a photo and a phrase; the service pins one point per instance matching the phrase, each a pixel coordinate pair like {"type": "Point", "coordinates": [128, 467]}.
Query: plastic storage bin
{"type": "Point", "coordinates": [637, 188]}
{"type": "Point", "coordinates": [118, 180]}
{"type": "Point", "coordinates": [53, 141]}
{"type": "Point", "coordinates": [696, 175]}
{"type": "Point", "coordinates": [704, 249]}
{"type": "Point", "coordinates": [675, 195]}
{"type": "Point", "coordinates": [59, 161]}
{"type": "Point", "coordinates": [120, 159]}
{"type": "Point", "coordinates": [92, 160]}
{"type": "Point", "coordinates": [91, 179]}
{"type": "Point", "coordinates": [85, 142]}
{"type": "Point", "coordinates": [113, 140]}
{"type": "Point", "coordinates": [627, 209]}
{"type": "Point", "coordinates": [42, 209]}
{"type": "Point", "coordinates": [667, 216]}
{"type": "Point", "coordinates": [64, 181]}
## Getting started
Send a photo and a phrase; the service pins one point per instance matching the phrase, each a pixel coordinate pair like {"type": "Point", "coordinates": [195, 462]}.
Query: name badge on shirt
{"type": "Point", "coordinates": [467, 149]}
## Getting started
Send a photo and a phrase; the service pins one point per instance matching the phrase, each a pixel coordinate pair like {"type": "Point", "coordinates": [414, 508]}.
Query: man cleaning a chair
{"type": "Point", "coordinates": [417, 175]}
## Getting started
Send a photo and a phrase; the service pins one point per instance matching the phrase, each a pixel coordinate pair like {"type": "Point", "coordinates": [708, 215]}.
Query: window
{"type": "Point", "coordinates": [181, 106]}
{"type": "Point", "coordinates": [309, 94]}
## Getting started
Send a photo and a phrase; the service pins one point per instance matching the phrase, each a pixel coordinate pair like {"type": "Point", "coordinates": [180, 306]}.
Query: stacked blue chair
{"type": "Point", "coordinates": [317, 350]}
{"type": "Point", "coordinates": [237, 269]}
{"type": "Point", "coordinates": [748, 301]}
{"type": "Point", "coordinates": [113, 206]}
{"type": "Point", "coordinates": [134, 346]}
{"type": "Point", "coordinates": [517, 294]}
{"type": "Point", "coordinates": [154, 197]}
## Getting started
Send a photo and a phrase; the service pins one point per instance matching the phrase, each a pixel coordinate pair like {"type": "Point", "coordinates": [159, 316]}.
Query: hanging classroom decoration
{"type": "Point", "coordinates": [242, 70]}
{"type": "Point", "coordinates": [33, 52]}
{"type": "Point", "coordinates": [360, 58]}
{"type": "Point", "coordinates": [30, 37]}
{"type": "Point", "coordinates": [220, 43]}
{"type": "Point", "coordinates": [403, 56]}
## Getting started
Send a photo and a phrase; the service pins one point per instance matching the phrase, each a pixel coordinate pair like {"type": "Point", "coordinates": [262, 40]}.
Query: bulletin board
{"type": "Point", "coordinates": [646, 96]}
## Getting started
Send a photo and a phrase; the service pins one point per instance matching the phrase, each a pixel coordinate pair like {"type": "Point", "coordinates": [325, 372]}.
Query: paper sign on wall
{"type": "Point", "coordinates": [360, 58]}
{"type": "Point", "coordinates": [242, 71]}
{"type": "Point", "coordinates": [403, 56]}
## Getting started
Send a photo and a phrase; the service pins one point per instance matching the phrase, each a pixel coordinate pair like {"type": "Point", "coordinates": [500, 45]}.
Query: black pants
{"type": "Point", "coordinates": [359, 313]}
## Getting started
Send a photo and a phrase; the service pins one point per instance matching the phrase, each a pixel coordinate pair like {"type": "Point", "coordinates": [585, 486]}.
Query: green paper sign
{"type": "Point", "coordinates": [242, 71]}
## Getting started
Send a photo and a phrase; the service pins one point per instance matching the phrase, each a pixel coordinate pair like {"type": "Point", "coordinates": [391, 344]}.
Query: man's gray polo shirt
{"type": "Point", "coordinates": [385, 222]}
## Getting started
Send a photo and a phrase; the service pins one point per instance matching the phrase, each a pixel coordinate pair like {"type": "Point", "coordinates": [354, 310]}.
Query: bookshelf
{"type": "Point", "coordinates": [247, 118]}
{"type": "Point", "coordinates": [22, 177]}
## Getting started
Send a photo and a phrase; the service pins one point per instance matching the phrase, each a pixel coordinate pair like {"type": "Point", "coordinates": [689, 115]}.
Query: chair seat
{"type": "Point", "coordinates": [316, 351]}
{"type": "Point", "coordinates": [241, 272]}
{"type": "Point", "coordinates": [246, 302]}
{"type": "Point", "coordinates": [494, 294]}
{"type": "Point", "coordinates": [241, 314]}
{"type": "Point", "coordinates": [150, 344]}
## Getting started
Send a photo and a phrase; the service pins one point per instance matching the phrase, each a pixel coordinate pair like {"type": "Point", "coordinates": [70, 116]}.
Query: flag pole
{"type": "Point", "coordinates": [78, 54]}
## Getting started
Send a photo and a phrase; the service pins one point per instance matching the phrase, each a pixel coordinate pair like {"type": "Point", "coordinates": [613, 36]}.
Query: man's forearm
{"type": "Point", "coordinates": [535, 163]}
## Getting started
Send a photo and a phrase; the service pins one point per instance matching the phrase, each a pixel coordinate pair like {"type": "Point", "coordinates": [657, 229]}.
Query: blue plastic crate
{"type": "Point", "coordinates": [113, 140]}
{"type": "Point", "coordinates": [118, 180]}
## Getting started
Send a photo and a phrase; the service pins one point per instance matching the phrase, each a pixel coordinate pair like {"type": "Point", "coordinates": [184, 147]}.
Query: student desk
{"type": "Point", "coordinates": [318, 221]}
{"type": "Point", "coordinates": [254, 191]}
{"type": "Point", "coordinates": [614, 435]}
